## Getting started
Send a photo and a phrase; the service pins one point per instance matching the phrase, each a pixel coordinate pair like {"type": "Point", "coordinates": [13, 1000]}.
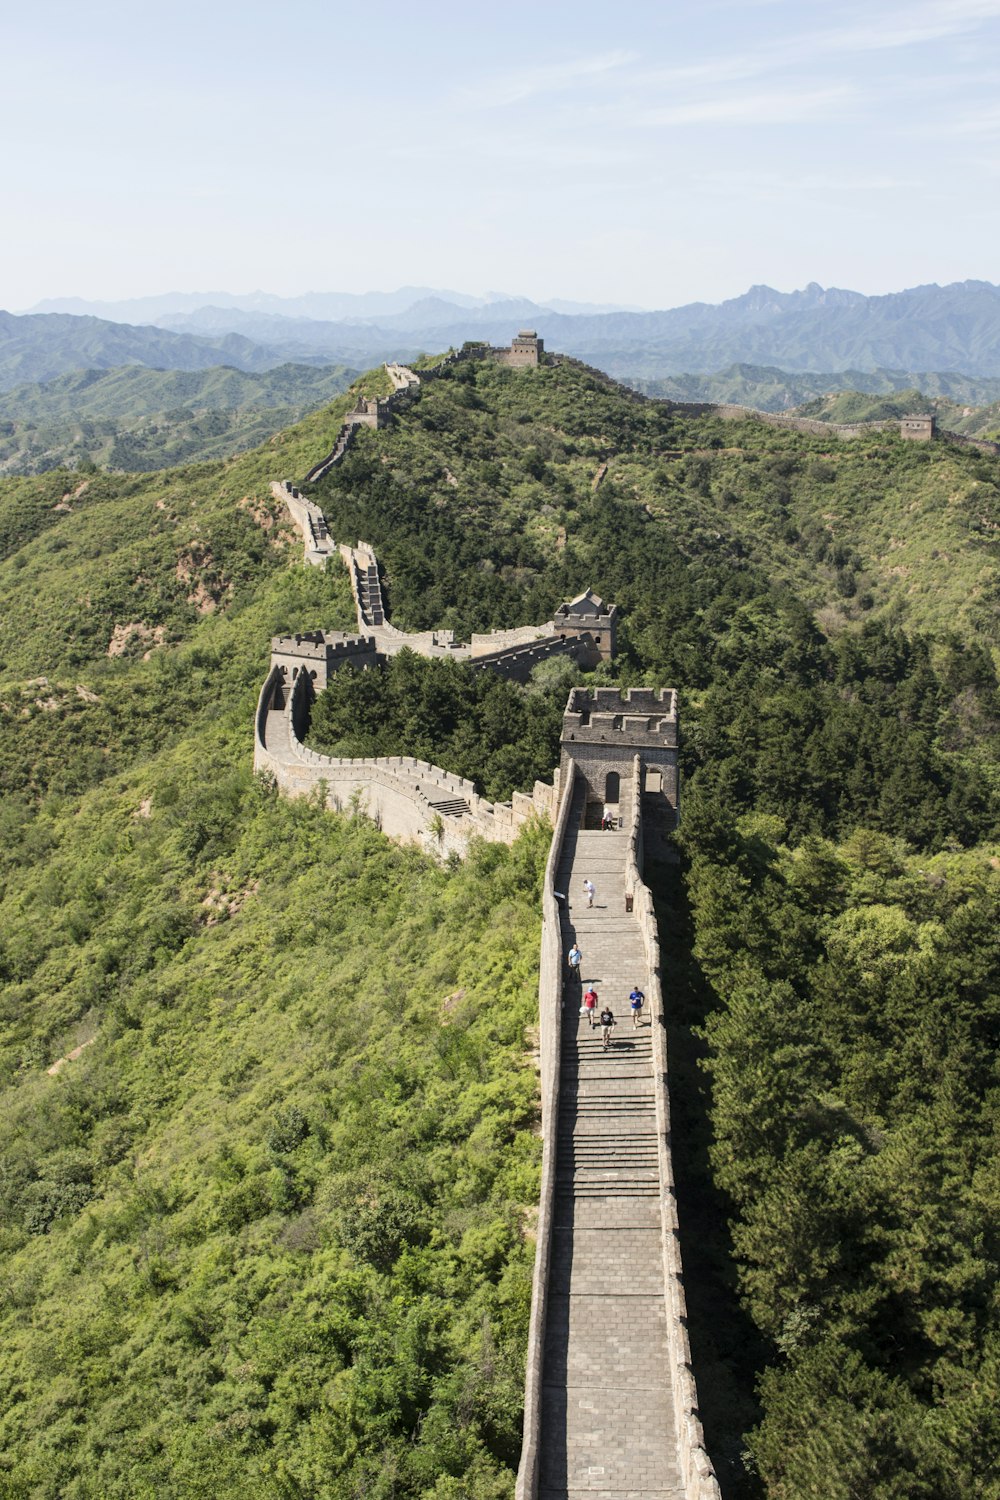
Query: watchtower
{"type": "Point", "coordinates": [604, 730]}
{"type": "Point", "coordinates": [588, 614]}
{"type": "Point", "coordinates": [368, 413]}
{"type": "Point", "coordinates": [526, 349]}
{"type": "Point", "coordinates": [319, 653]}
{"type": "Point", "coordinates": [918, 429]}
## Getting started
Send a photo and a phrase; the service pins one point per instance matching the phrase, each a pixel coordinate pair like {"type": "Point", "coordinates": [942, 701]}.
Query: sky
{"type": "Point", "coordinates": [648, 154]}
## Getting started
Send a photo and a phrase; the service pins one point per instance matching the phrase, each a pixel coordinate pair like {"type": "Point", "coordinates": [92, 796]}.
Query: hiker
{"type": "Point", "coordinates": [636, 1000]}
{"type": "Point", "coordinates": [590, 1005]}
{"type": "Point", "coordinates": [589, 892]}
{"type": "Point", "coordinates": [607, 1021]}
{"type": "Point", "coordinates": [607, 820]}
{"type": "Point", "coordinates": [574, 958]}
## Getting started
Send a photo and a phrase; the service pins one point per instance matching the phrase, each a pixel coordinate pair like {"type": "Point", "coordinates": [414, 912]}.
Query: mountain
{"type": "Point", "coordinates": [949, 329]}
{"type": "Point", "coordinates": [269, 1228]}
{"type": "Point", "coordinates": [139, 419]}
{"type": "Point", "coordinates": [769, 389]}
{"type": "Point", "coordinates": [314, 306]}
{"type": "Point", "coordinates": [38, 347]}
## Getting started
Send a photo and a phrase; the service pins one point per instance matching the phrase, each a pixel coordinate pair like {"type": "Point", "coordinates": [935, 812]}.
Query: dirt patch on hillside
{"type": "Point", "coordinates": [123, 637]}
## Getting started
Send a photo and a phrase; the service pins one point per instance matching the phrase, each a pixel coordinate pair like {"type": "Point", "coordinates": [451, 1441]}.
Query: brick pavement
{"type": "Point", "coordinates": [607, 1407]}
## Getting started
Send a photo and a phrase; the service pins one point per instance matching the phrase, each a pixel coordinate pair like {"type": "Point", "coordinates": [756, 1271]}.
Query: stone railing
{"type": "Point", "coordinates": [549, 1045]}
{"type": "Point", "coordinates": [697, 1472]}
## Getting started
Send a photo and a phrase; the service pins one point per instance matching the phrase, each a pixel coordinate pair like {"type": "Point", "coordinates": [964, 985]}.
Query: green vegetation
{"type": "Point", "coordinates": [771, 389]}
{"type": "Point", "coordinates": [473, 723]}
{"type": "Point", "coordinates": [139, 419]}
{"type": "Point", "coordinates": [268, 1233]}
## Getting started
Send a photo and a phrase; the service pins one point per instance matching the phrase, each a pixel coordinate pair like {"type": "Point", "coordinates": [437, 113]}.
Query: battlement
{"type": "Point", "coordinates": [604, 729]}
{"type": "Point", "coordinates": [643, 716]}
{"type": "Point", "coordinates": [319, 653]}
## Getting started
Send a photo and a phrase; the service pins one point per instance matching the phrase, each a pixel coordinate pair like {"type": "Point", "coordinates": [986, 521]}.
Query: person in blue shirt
{"type": "Point", "coordinates": [636, 1001]}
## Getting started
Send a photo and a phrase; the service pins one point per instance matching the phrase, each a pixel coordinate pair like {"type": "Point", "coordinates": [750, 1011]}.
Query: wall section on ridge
{"type": "Point", "coordinates": [408, 799]}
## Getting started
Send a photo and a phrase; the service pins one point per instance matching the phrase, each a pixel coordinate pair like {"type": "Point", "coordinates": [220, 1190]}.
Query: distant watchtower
{"type": "Point", "coordinates": [918, 429]}
{"type": "Point", "coordinates": [526, 349]}
{"type": "Point", "coordinates": [588, 613]}
{"type": "Point", "coordinates": [604, 730]}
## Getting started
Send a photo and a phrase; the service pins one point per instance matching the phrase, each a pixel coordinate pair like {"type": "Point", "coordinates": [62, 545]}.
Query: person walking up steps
{"type": "Point", "coordinates": [589, 892]}
{"type": "Point", "coordinates": [607, 1021]}
{"type": "Point", "coordinates": [590, 1005]}
{"type": "Point", "coordinates": [574, 958]}
{"type": "Point", "coordinates": [636, 1001]}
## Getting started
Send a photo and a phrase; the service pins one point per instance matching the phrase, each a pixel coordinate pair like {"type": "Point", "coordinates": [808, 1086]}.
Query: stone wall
{"type": "Point", "coordinates": [517, 663]}
{"type": "Point", "coordinates": [500, 640]}
{"type": "Point", "coordinates": [549, 1046]}
{"type": "Point", "coordinates": [310, 521]}
{"type": "Point", "coordinates": [697, 1472]}
{"type": "Point", "coordinates": [408, 799]}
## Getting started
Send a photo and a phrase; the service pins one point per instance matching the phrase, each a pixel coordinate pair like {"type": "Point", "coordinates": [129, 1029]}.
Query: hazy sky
{"type": "Point", "coordinates": [649, 153]}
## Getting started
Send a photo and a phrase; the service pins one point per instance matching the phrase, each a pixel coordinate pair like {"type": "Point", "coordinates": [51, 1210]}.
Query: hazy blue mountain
{"type": "Point", "coordinates": [951, 328]}
{"type": "Point", "coordinates": [814, 330]}
{"type": "Point", "coordinates": [40, 346]}
{"type": "Point", "coordinates": [323, 306]}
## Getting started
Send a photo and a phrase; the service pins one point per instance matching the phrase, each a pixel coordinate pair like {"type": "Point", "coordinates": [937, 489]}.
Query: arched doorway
{"type": "Point", "coordinates": [612, 787]}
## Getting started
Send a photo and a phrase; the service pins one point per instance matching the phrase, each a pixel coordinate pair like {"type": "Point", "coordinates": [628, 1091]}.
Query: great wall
{"type": "Point", "coordinates": [611, 1405]}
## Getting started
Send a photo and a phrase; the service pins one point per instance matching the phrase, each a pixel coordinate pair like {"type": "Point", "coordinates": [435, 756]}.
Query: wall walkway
{"type": "Point", "coordinates": [611, 1408]}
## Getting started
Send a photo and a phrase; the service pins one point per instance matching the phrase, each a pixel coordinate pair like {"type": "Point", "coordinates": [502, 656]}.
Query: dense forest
{"type": "Point", "coordinates": [271, 1230]}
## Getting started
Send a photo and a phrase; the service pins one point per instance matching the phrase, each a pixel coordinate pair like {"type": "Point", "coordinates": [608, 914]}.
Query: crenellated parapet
{"type": "Point", "coordinates": [317, 654]}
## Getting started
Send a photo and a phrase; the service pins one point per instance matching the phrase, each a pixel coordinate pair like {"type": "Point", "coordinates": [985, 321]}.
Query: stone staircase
{"type": "Point", "coordinates": [450, 807]}
{"type": "Point", "coordinates": [607, 1408]}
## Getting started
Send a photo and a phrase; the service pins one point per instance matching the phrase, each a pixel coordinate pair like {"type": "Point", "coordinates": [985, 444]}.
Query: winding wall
{"type": "Point", "coordinates": [407, 798]}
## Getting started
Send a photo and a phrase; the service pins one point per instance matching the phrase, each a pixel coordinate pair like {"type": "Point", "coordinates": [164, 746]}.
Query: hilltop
{"type": "Point", "coordinates": [271, 1231]}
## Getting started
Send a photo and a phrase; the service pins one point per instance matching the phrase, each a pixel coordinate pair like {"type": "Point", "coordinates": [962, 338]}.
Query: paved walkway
{"type": "Point", "coordinates": [607, 1406]}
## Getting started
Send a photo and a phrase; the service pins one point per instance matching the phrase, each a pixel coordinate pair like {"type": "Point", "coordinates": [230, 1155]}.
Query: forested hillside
{"type": "Point", "coordinates": [138, 419]}
{"type": "Point", "coordinates": [270, 1232]}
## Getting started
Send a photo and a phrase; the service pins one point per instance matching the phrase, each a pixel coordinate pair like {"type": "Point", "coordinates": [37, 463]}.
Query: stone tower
{"type": "Point", "coordinates": [918, 429]}
{"type": "Point", "coordinates": [588, 614]}
{"type": "Point", "coordinates": [604, 730]}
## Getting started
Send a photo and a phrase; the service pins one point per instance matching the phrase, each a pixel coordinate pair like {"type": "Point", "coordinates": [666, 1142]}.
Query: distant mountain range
{"type": "Point", "coordinates": [953, 328]}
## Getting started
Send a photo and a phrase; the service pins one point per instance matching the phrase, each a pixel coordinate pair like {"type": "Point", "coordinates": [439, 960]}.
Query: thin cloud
{"type": "Point", "coordinates": [776, 107]}
{"type": "Point", "coordinates": [551, 78]}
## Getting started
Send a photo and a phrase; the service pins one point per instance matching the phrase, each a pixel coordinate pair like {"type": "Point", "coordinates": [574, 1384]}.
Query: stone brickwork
{"type": "Point", "coordinates": [310, 521]}
{"type": "Point", "coordinates": [588, 614]}
{"type": "Point", "coordinates": [918, 429]}
{"type": "Point", "coordinates": [320, 653]}
{"type": "Point", "coordinates": [611, 1408]}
